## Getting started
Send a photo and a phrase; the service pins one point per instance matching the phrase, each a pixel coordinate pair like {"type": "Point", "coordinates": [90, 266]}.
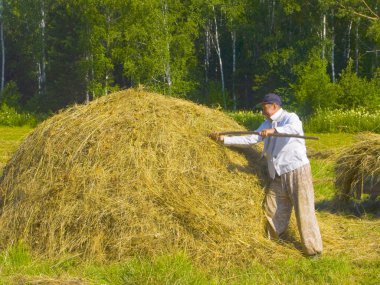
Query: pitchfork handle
{"type": "Point", "coordinates": [240, 133]}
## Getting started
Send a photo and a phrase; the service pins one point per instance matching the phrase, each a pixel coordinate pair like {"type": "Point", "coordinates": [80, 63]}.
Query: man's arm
{"type": "Point", "coordinates": [242, 140]}
{"type": "Point", "coordinates": [236, 141]}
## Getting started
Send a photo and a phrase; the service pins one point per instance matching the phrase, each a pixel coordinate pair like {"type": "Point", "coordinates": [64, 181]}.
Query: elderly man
{"type": "Point", "coordinates": [289, 169]}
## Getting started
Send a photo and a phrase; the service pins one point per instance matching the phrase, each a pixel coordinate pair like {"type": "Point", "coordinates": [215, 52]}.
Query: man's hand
{"type": "Point", "coordinates": [267, 132]}
{"type": "Point", "coordinates": [216, 137]}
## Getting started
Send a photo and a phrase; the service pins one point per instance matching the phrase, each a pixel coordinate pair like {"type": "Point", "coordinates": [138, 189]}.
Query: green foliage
{"type": "Point", "coordinates": [215, 96]}
{"type": "Point", "coordinates": [313, 89]}
{"type": "Point", "coordinates": [354, 92]}
{"type": "Point", "coordinates": [374, 31]}
{"type": "Point", "coordinates": [10, 95]}
{"type": "Point", "coordinates": [88, 48]}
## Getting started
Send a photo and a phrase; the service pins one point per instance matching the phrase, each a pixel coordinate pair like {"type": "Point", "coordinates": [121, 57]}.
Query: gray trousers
{"type": "Point", "coordinates": [293, 189]}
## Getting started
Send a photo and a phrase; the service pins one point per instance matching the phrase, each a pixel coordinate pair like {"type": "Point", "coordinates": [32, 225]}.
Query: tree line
{"type": "Point", "coordinates": [316, 54]}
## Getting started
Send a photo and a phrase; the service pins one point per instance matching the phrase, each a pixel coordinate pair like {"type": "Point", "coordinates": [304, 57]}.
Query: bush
{"type": "Point", "coordinates": [10, 117]}
{"type": "Point", "coordinates": [10, 95]}
{"type": "Point", "coordinates": [314, 89]}
{"type": "Point", "coordinates": [249, 119]}
{"type": "Point", "coordinates": [354, 92]}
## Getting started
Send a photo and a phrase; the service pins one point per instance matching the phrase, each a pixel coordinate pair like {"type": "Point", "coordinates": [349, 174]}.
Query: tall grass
{"type": "Point", "coordinates": [249, 119]}
{"type": "Point", "coordinates": [350, 121]}
{"type": "Point", "coordinates": [323, 121]}
{"type": "Point", "coordinates": [11, 117]}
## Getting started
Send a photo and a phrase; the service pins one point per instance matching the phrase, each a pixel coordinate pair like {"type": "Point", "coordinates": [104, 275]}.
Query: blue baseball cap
{"type": "Point", "coordinates": [272, 98]}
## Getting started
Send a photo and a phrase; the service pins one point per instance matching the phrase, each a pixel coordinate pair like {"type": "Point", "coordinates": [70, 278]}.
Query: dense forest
{"type": "Point", "coordinates": [227, 53]}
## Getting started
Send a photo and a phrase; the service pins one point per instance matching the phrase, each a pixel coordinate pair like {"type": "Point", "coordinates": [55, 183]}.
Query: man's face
{"type": "Point", "coordinates": [268, 109]}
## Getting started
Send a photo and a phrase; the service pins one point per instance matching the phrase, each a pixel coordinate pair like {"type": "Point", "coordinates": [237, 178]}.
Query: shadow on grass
{"type": "Point", "coordinates": [366, 208]}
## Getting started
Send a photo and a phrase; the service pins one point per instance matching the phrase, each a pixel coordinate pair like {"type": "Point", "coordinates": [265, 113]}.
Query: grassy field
{"type": "Point", "coordinates": [355, 260]}
{"type": "Point", "coordinates": [10, 138]}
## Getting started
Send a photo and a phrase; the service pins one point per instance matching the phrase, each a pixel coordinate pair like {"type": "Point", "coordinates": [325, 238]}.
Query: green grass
{"type": "Point", "coordinates": [10, 138]}
{"type": "Point", "coordinates": [322, 154]}
{"type": "Point", "coordinates": [18, 266]}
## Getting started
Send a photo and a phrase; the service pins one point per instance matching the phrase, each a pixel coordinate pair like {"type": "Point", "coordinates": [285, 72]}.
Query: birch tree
{"type": "Point", "coordinates": [234, 10]}
{"type": "Point", "coordinates": [216, 43]}
{"type": "Point", "coordinates": [42, 59]}
{"type": "Point", "coordinates": [207, 55]}
{"type": "Point", "coordinates": [2, 45]}
{"type": "Point", "coordinates": [333, 49]}
{"type": "Point", "coordinates": [166, 50]}
{"type": "Point", "coordinates": [324, 33]}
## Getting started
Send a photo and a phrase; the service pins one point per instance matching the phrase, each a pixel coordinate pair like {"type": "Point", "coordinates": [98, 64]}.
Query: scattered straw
{"type": "Point", "coordinates": [23, 280]}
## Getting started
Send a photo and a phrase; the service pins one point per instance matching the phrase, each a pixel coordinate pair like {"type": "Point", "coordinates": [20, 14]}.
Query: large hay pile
{"type": "Point", "coordinates": [134, 173]}
{"type": "Point", "coordinates": [358, 168]}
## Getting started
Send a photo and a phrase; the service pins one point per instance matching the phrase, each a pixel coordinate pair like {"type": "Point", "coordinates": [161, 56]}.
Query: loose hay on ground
{"type": "Point", "coordinates": [134, 173]}
{"type": "Point", "coordinates": [21, 280]}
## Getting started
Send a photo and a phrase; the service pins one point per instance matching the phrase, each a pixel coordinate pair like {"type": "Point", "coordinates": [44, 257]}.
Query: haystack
{"type": "Point", "coordinates": [134, 173]}
{"type": "Point", "coordinates": [358, 168]}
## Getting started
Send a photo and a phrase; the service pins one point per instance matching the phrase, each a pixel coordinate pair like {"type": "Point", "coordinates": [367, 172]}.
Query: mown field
{"type": "Point", "coordinates": [354, 260]}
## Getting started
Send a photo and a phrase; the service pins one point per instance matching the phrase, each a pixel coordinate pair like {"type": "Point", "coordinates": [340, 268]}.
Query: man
{"type": "Point", "coordinates": [289, 169]}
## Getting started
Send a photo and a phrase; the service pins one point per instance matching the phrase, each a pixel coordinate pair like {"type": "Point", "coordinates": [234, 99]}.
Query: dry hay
{"type": "Point", "coordinates": [358, 168]}
{"type": "Point", "coordinates": [134, 173]}
{"type": "Point", "coordinates": [38, 280]}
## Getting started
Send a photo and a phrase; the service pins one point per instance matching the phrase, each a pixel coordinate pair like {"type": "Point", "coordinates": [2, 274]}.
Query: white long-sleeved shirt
{"type": "Point", "coordinates": [283, 154]}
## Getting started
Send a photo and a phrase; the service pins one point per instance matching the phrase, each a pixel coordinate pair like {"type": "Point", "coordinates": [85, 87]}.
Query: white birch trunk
{"type": "Point", "coordinates": [349, 41]}
{"type": "Point", "coordinates": [207, 59]}
{"type": "Point", "coordinates": [167, 57]}
{"type": "Point", "coordinates": [219, 53]}
{"type": "Point", "coordinates": [92, 73]}
{"type": "Point", "coordinates": [207, 52]}
{"type": "Point", "coordinates": [324, 28]}
{"type": "Point", "coordinates": [106, 84]}
{"type": "Point", "coordinates": [357, 47]}
{"type": "Point", "coordinates": [2, 46]}
{"type": "Point", "coordinates": [87, 91]}
{"type": "Point", "coordinates": [333, 52]}
{"type": "Point", "coordinates": [87, 80]}
{"type": "Point", "coordinates": [167, 69]}
{"type": "Point", "coordinates": [272, 15]}
{"type": "Point", "coordinates": [233, 36]}
{"type": "Point", "coordinates": [106, 77]}
{"type": "Point", "coordinates": [2, 55]}
{"type": "Point", "coordinates": [42, 64]}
